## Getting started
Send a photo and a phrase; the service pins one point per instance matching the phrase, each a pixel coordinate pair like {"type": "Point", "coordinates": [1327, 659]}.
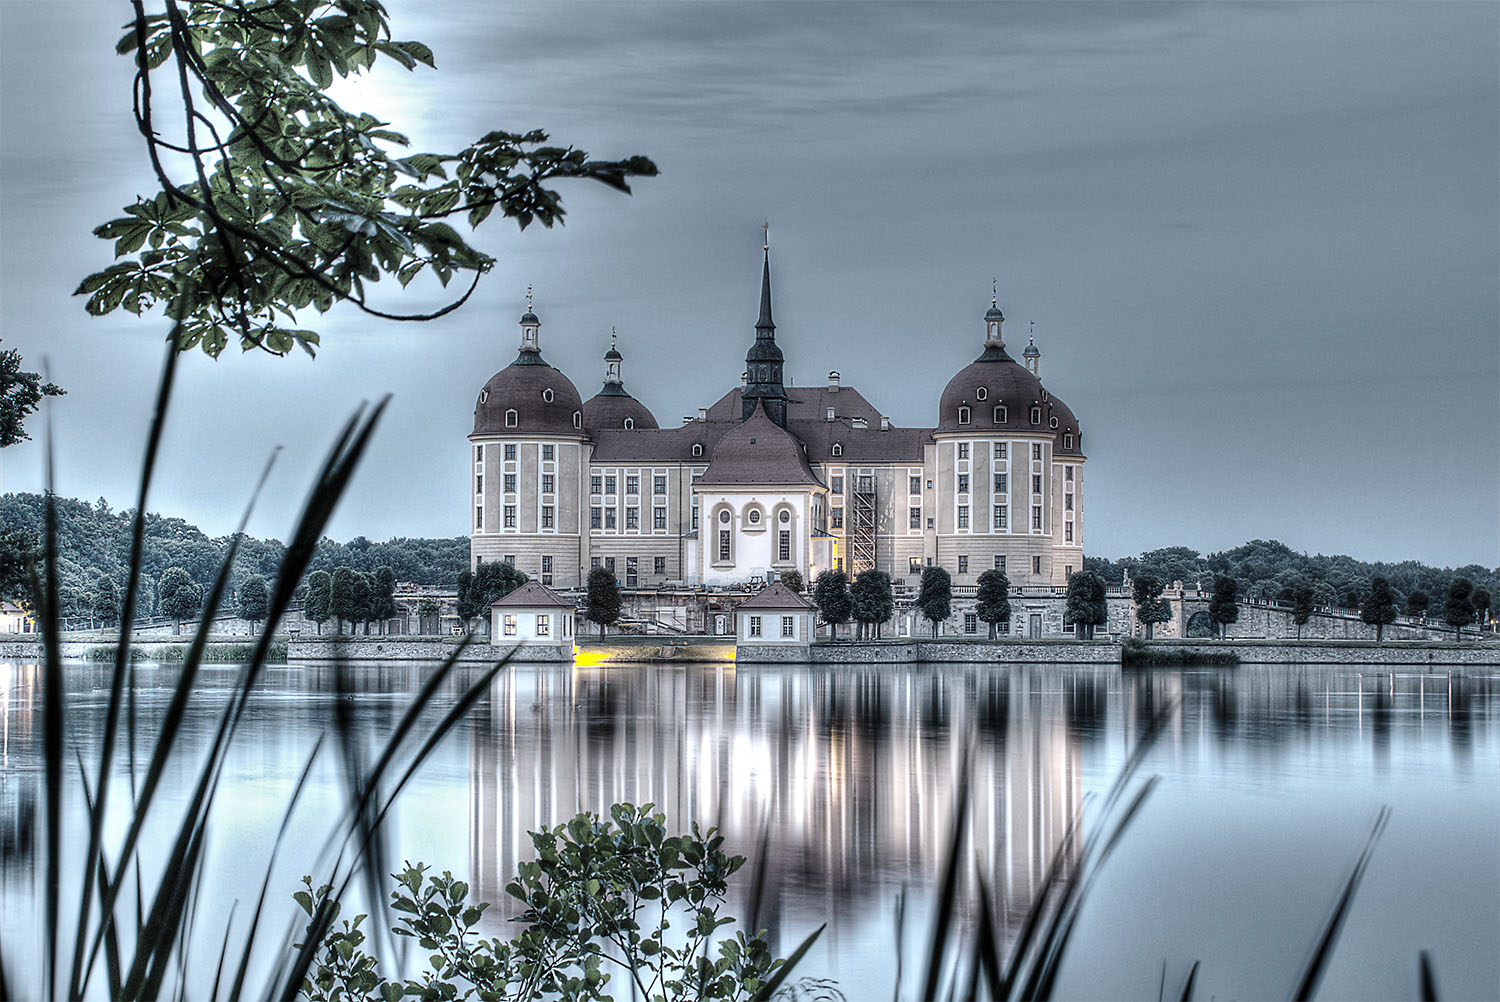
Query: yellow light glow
{"type": "Point", "coordinates": [587, 659]}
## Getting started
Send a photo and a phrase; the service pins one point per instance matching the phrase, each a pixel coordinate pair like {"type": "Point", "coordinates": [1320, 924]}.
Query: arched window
{"type": "Point", "coordinates": [629, 423]}
{"type": "Point", "coordinates": [838, 449]}
{"type": "Point", "coordinates": [981, 393]}
{"type": "Point", "coordinates": [547, 394]}
{"type": "Point", "coordinates": [963, 415]}
{"type": "Point", "coordinates": [577, 419]}
{"type": "Point", "coordinates": [1001, 414]}
{"type": "Point", "coordinates": [1036, 415]}
{"type": "Point", "coordinates": [697, 449]}
{"type": "Point", "coordinates": [512, 418]}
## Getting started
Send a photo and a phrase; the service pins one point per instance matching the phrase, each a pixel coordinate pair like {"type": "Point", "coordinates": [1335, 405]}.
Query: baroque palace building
{"type": "Point", "coordinates": [771, 478]}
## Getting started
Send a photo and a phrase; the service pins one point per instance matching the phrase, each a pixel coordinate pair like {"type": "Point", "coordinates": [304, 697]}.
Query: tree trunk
{"type": "Point", "coordinates": [1379, 632]}
{"type": "Point", "coordinates": [1148, 631]}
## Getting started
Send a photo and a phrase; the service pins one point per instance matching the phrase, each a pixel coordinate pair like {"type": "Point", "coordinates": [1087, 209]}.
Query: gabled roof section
{"type": "Point", "coordinates": [532, 595]}
{"type": "Point", "coordinates": [759, 452]}
{"type": "Point", "coordinates": [777, 596]}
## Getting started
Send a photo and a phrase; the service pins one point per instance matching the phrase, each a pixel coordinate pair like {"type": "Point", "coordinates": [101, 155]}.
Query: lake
{"type": "Point", "coordinates": [1270, 780]}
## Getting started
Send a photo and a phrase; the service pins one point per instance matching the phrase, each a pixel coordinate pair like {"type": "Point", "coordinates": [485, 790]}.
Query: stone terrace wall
{"type": "Point", "coordinates": [416, 649]}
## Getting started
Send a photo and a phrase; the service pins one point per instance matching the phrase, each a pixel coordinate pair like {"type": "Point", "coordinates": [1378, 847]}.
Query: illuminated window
{"type": "Point", "coordinates": [510, 626]}
{"type": "Point", "coordinates": [543, 625]}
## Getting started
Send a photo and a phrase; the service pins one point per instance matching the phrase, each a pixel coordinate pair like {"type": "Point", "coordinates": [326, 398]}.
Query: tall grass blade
{"type": "Point", "coordinates": [948, 889]}
{"type": "Point", "coordinates": [1427, 976]}
{"type": "Point", "coordinates": [987, 946]}
{"type": "Point", "coordinates": [900, 941]}
{"type": "Point", "coordinates": [1187, 986]}
{"type": "Point", "coordinates": [52, 716]}
{"type": "Point", "coordinates": [770, 988]}
{"type": "Point", "coordinates": [1322, 952]}
{"type": "Point", "coordinates": [223, 954]}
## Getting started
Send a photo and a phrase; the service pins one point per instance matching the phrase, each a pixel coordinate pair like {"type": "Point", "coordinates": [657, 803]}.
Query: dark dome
{"type": "Point", "coordinates": [993, 313]}
{"type": "Point", "coordinates": [530, 318]}
{"type": "Point", "coordinates": [612, 405]}
{"type": "Point", "coordinates": [524, 386]}
{"type": "Point", "coordinates": [613, 356]}
{"type": "Point", "coordinates": [1004, 382]}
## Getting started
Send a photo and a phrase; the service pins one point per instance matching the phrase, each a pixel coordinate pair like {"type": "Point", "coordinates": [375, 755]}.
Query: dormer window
{"type": "Point", "coordinates": [1001, 414]}
{"type": "Point", "coordinates": [697, 449]}
{"type": "Point", "coordinates": [484, 396]}
{"type": "Point", "coordinates": [1036, 415]}
{"type": "Point", "coordinates": [1054, 422]}
{"type": "Point", "coordinates": [838, 449]}
{"type": "Point", "coordinates": [963, 415]}
{"type": "Point", "coordinates": [577, 419]}
{"type": "Point", "coordinates": [547, 395]}
{"type": "Point", "coordinates": [512, 418]}
{"type": "Point", "coordinates": [629, 423]}
{"type": "Point", "coordinates": [981, 393]}
{"type": "Point", "coordinates": [1068, 443]}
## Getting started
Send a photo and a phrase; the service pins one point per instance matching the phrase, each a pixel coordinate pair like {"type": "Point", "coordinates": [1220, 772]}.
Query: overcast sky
{"type": "Point", "coordinates": [1261, 245]}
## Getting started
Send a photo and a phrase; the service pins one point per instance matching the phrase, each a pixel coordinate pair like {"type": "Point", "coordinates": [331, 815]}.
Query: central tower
{"type": "Point", "coordinates": [763, 362]}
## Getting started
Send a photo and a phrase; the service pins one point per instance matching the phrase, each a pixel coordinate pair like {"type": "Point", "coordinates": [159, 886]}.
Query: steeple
{"type": "Point", "coordinates": [613, 361]}
{"type": "Point", "coordinates": [1031, 354]}
{"type": "Point", "coordinates": [531, 339]}
{"type": "Point", "coordinates": [993, 318]}
{"type": "Point", "coordinates": [763, 362]}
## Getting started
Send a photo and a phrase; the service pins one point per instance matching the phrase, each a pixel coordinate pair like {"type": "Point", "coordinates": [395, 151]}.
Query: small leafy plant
{"type": "Point", "coordinates": [605, 898]}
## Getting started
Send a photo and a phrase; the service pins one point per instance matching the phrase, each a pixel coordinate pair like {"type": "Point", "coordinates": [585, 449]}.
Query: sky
{"type": "Point", "coordinates": [1260, 244]}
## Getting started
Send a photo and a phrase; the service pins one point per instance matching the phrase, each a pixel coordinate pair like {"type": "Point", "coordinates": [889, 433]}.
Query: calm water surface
{"type": "Point", "coordinates": [1271, 778]}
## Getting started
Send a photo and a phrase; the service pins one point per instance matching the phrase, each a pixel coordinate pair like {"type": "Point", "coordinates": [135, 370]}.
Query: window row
{"type": "Point", "coordinates": [632, 568]}
{"type": "Point", "coordinates": [788, 626]}
{"type": "Point", "coordinates": [549, 453]}
{"type": "Point", "coordinates": [1000, 415]}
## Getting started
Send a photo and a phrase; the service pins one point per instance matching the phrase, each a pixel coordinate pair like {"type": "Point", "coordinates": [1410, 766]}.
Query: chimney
{"type": "Point", "coordinates": [833, 381]}
{"type": "Point", "coordinates": [885, 423]}
{"type": "Point", "coordinates": [702, 413]}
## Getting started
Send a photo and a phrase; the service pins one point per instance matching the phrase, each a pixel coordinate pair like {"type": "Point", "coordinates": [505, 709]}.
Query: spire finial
{"type": "Point", "coordinates": [1032, 333]}
{"type": "Point", "coordinates": [528, 297]}
{"type": "Point", "coordinates": [766, 226]}
{"type": "Point", "coordinates": [611, 336]}
{"type": "Point", "coordinates": [995, 292]}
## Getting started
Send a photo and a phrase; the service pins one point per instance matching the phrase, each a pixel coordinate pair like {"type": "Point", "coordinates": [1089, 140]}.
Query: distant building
{"type": "Point", "coordinates": [771, 478]}
{"type": "Point", "coordinates": [535, 615]}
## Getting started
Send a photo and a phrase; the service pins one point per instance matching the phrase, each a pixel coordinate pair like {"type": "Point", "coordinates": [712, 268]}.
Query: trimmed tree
{"type": "Point", "coordinates": [1302, 606]}
{"type": "Point", "coordinates": [1224, 607]}
{"type": "Point", "coordinates": [992, 600]}
{"type": "Point", "coordinates": [104, 599]}
{"type": "Point", "coordinates": [935, 596]}
{"type": "Point", "coordinates": [341, 600]}
{"type": "Point", "coordinates": [384, 597]}
{"type": "Point", "coordinates": [793, 580]}
{"type": "Point", "coordinates": [1417, 603]}
{"type": "Point", "coordinates": [1457, 612]}
{"type": "Point", "coordinates": [178, 596]}
{"type": "Point", "coordinates": [254, 600]}
{"type": "Point", "coordinates": [317, 603]}
{"type": "Point", "coordinates": [872, 601]}
{"type": "Point", "coordinates": [362, 598]}
{"type": "Point", "coordinates": [1150, 608]}
{"type": "Point", "coordinates": [1480, 600]}
{"type": "Point", "coordinates": [603, 599]}
{"type": "Point", "coordinates": [831, 596]}
{"type": "Point", "coordinates": [428, 608]}
{"type": "Point", "coordinates": [1379, 607]}
{"type": "Point", "coordinates": [1086, 605]}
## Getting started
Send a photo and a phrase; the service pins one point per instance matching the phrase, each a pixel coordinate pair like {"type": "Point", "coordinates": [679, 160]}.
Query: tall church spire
{"type": "Point", "coordinates": [764, 362]}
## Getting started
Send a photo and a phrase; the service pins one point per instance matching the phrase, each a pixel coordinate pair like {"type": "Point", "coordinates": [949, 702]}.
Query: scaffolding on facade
{"type": "Point", "coordinates": [862, 526]}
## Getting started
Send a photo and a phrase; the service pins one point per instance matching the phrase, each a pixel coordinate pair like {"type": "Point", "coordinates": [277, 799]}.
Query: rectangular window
{"type": "Point", "coordinates": [915, 520]}
{"type": "Point", "coordinates": [836, 485]}
{"type": "Point", "coordinates": [1000, 563]}
{"type": "Point", "coordinates": [659, 518]}
{"type": "Point", "coordinates": [547, 511]}
{"type": "Point", "coordinates": [479, 516]}
{"type": "Point", "coordinates": [632, 572]}
{"type": "Point", "coordinates": [754, 626]}
{"type": "Point", "coordinates": [1067, 572]}
{"type": "Point", "coordinates": [1036, 450]}
{"type": "Point", "coordinates": [595, 483]}
{"type": "Point", "coordinates": [546, 570]}
{"type": "Point", "coordinates": [632, 518]}
{"type": "Point", "coordinates": [1000, 519]}
{"type": "Point", "coordinates": [543, 625]}
{"type": "Point", "coordinates": [963, 563]}
{"type": "Point", "coordinates": [1002, 484]}
{"type": "Point", "coordinates": [510, 558]}
{"type": "Point", "coordinates": [1068, 474]}
{"type": "Point", "coordinates": [836, 518]}
{"type": "Point", "coordinates": [1036, 483]}
{"type": "Point", "coordinates": [963, 483]}
{"type": "Point", "coordinates": [479, 483]}
{"type": "Point", "coordinates": [963, 516]}
{"type": "Point", "coordinates": [695, 518]}
{"type": "Point", "coordinates": [971, 623]}
{"type": "Point", "coordinates": [609, 518]}
{"type": "Point", "coordinates": [609, 485]}
{"type": "Point", "coordinates": [549, 483]}
{"type": "Point", "coordinates": [478, 453]}
{"type": "Point", "coordinates": [609, 564]}
{"type": "Point", "coordinates": [963, 450]}
{"type": "Point", "coordinates": [510, 626]}
{"type": "Point", "coordinates": [784, 548]}
{"type": "Point", "coordinates": [659, 485]}
{"type": "Point", "coordinates": [632, 485]}
{"type": "Point", "coordinates": [510, 452]}
{"type": "Point", "coordinates": [788, 626]}
{"type": "Point", "coordinates": [510, 483]}
{"type": "Point", "coordinates": [659, 567]}
{"type": "Point", "coordinates": [1067, 532]}
{"type": "Point", "coordinates": [1068, 502]}
{"type": "Point", "coordinates": [595, 562]}
{"type": "Point", "coordinates": [915, 566]}
{"type": "Point", "coordinates": [916, 486]}
{"type": "Point", "coordinates": [596, 517]}
{"type": "Point", "coordinates": [1001, 414]}
{"type": "Point", "coordinates": [510, 516]}
{"type": "Point", "coordinates": [1036, 565]}
{"type": "Point", "coordinates": [1001, 450]}
{"type": "Point", "coordinates": [1036, 516]}
{"type": "Point", "coordinates": [549, 452]}
{"type": "Point", "coordinates": [723, 546]}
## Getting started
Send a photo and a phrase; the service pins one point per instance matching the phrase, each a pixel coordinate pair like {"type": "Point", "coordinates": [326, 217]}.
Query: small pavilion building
{"type": "Point", "coordinates": [775, 624]}
{"type": "Point", "coordinates": [535, 616]}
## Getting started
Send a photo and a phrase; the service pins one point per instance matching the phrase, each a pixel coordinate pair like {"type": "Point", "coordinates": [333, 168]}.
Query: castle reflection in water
{"type": "Point", "coordinates": [851, 775]}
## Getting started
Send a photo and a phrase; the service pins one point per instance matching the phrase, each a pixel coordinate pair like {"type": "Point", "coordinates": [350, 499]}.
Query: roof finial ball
{"type": "Point", "coordinates": [530, 334]}
{"type": "Point", "coordinates": [993, 318]}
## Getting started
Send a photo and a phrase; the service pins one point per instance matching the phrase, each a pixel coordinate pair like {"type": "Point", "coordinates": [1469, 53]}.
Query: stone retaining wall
{"type": "Point", "coordinates": [417, 649]}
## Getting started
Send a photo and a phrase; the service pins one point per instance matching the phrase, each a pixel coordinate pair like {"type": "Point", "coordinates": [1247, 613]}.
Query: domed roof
{"type": "Point", "coordinates": [612, 406]}
{"type": "Point", "coordinates": [530, 318]}
{"type": "Point", "coordinates": [995, 380]}
{"type": "Point", "coordinates": [993, 313]}
{"type": "Point", "coordinates": [544, 400]}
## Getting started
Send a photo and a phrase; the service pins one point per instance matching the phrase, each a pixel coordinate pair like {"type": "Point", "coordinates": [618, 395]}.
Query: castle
{"type": "Point", "coordinates": [770, 479]}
